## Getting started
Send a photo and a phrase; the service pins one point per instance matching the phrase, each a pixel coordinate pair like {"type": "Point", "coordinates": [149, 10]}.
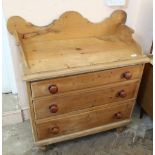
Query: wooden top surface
{"type": "Point", "coordinates": [73, 45]}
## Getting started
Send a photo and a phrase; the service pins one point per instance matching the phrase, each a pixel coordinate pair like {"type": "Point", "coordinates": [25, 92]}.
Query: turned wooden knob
{"type": "Point", "coordinates": [53, 108]}
{"type": "Point", "coordinates": [127, 75]}
{"type": "Point", "coordinates": [118, 115]}
{"type": "Point", "coordinates": [53, 89]}
{"type": "Point", "coordinates": [54, 130]}
{"type": "Point", "coordinates": [122, 94]}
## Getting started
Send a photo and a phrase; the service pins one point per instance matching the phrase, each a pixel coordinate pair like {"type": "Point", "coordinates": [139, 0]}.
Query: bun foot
{"type": "Point", "coordinates": [43, 148]}
{"type": "Point", "coordinates": [120, 129]}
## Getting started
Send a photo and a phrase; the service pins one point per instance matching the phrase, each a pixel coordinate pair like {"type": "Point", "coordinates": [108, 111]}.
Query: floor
{"type": "Point", "coordinates": [136, 139]}
{"type": "Point", "coordinates": [10, 103]}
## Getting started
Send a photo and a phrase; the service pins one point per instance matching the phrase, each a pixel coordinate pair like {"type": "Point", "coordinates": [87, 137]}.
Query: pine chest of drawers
{"type": "Point", "coordinates": [82, 78]}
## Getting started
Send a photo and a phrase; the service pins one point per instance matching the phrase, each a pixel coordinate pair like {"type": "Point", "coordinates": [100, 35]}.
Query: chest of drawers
{"type": "Point", "coordinates": [82, 78]}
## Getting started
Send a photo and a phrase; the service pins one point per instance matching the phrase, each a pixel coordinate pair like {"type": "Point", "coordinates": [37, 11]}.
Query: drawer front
{"type": "Point", "coordinates": [82, 121]}
{"type": "Point", "coordinates": [51, 106]}
{"type": "Point", "coordinates": [82, 81]}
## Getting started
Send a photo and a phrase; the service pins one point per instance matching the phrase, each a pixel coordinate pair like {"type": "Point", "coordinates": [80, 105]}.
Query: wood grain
{"type": "Point", "coordinates": [74, 43]}
{"type": "Point", "coordinates": [75, 101]}
{"type": "Point", "coordinates": [83, 133]}
{"type": "Point", "coordinates": [86, 62]}
{"type": "Point", "coordinates": [83, 121]}
{"type": "Point", "coordinates": [70, 23]}
{"type": "Point", "coordinates": [82, 81]}
{"type": "Point", "coordinates": [31, 112]}
{"type": "Point", "coordinates": [84, 69]}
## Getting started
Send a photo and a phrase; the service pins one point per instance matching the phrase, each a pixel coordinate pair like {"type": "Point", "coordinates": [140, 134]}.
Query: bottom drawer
{"type": "Point", "coordinates": [78, 122]}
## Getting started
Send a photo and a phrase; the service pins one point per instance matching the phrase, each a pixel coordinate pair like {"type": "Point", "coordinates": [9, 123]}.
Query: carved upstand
{"type": "Point", "coordinates": [82, 78]}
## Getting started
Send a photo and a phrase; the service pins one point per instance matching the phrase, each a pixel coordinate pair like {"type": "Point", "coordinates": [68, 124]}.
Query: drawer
{"type": "Point", "coordinates": [83, 121]}
{"type": "Point", "coordinates": [55, 105]}
{"type": "Point", "coordinates": [87, 80]}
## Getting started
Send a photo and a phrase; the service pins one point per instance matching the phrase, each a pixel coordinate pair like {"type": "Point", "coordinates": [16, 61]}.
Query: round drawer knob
{"type": "Point", "coordinates": [127, 75]}
{"type": "Point", "coordinates": [53, 108]}
{"type": "Point", "coordinates": [122, 94]}
{"type": "Point", "coordinates": [53, 89]}
{"type": "Point", "coordinates": [54, 130]}
{"type": "Point", "coordinates": [118, 115]}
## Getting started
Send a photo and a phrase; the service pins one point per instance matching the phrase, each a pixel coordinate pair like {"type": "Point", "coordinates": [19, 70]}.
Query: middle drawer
{"type": "Point", "coordinates": [56, 105]}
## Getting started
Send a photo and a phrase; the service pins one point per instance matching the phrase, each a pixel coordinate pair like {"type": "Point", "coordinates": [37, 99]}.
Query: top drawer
{"type": "Point", "coordinates": [82, 81]}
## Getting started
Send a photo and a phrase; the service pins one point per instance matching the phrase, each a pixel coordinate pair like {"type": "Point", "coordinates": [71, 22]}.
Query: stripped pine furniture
{"type": "Point", "coordinates": [82, 77]}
